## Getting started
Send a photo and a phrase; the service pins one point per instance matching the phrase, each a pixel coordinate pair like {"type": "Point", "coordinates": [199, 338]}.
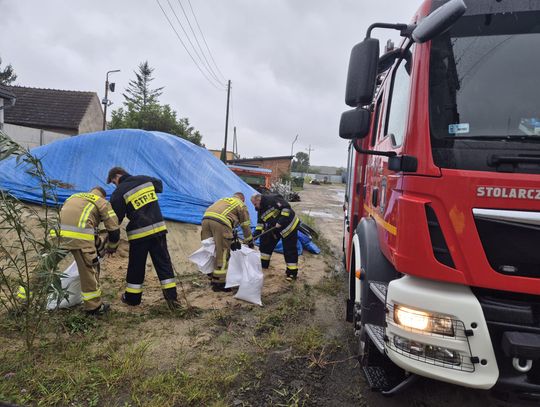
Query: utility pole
{"type": "Point", "coordinates": [292, 145]}
{"type": "Point", "coordinates": [105, 100]}
{"type": "Point", "coordinates": [224, 152]}
{"type": "Point", "coordinates": [309, 150]}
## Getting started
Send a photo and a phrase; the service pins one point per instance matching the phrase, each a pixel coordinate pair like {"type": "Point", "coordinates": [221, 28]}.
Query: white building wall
{"type": "Point", "coordinates": [29, 137]}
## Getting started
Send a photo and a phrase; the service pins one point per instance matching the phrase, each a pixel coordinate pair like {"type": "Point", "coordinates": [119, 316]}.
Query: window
{"type": "Point", "coordinates": [376, 118]}
{"type": "Point", "coordinates": [350, 170]}
{"type": "Point", "coordinates": [398, 110]}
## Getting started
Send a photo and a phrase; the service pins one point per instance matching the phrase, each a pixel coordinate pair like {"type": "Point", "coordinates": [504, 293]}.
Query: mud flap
{"type": "Point", "coordinates": [349, 317]}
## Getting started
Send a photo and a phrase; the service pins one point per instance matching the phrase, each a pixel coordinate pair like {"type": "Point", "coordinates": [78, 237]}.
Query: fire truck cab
{"type": "Point", "coordinates": [442, 209]}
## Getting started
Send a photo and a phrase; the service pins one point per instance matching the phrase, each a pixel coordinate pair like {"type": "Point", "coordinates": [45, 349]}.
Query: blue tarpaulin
{"type": "Point", "coordinates": [192, 177]}
{"type": "Point", "coordinates": [304, 242]}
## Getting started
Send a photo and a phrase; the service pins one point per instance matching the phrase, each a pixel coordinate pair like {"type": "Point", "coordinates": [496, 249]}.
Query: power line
{"type": "Point", "coordinates": [191, 43]}
{"type": "Point", "coordinates": [205, 43]}
{"type": "Point", "coordinates": [184, 45]}
{"type": "Point", "coordinates": [207, 65]}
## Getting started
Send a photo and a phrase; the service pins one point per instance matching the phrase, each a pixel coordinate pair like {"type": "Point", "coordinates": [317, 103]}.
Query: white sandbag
{"type": "Point", "coordinates": [205, 256]}
{"type": "Point", "coordinates": [235, 270]}
{"type": "Point", "coordinates": [71, 283]}
{"type": "Point", "coordinates": [250, 288]}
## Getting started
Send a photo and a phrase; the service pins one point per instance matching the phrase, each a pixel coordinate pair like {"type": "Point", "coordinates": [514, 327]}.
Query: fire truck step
{"type": "Point", "coordinates": [379, 289]}
{"type": "Point", "coordinates": [387, 380]}
{"type": "Point", "coordinates": [377, 378]}
{"type": "Point", "coordinates": [376, 334]}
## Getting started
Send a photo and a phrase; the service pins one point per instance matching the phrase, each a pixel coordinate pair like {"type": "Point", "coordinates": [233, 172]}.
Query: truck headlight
{"type": "Point", "coordinates": [423, 320]}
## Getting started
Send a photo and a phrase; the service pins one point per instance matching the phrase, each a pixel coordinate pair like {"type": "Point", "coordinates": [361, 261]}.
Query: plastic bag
{"type": "Point", "coordinates": [71, 282]}
{"type": "Point", "coordinates": [205, 256]}
{"type": "Point", "coordinates": [251, 284]}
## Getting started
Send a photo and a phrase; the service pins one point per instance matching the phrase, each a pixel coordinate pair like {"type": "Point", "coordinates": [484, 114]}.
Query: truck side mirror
{"type": "Point", "coordinates": [362, 74]}
{"type": "Point", "coordinates": [354, 124]}
{"type": "Point", "coordinates": [439, 21]}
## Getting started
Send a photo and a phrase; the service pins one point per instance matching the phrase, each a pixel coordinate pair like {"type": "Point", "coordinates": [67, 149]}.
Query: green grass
{"type": "Point", "coordinates": [298, 302]}
{"type": "Point", "coordinates": [77, 372]}
{"type": "Point", "coordinates": [330, 286]}
{"type": "Point", "coordinates": [308, 339]}
{"type": "Point", "coordinates": [309, 220]}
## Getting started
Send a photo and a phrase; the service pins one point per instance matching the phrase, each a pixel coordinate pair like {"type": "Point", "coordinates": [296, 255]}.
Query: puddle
{"type": "Point", "coordinates": [339, 194]}
{"type": "Point", "coordinates": [319, 214]}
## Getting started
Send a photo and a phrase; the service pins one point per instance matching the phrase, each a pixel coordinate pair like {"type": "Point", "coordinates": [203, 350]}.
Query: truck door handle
{"type": "Point", "coordinates": [375, 197]}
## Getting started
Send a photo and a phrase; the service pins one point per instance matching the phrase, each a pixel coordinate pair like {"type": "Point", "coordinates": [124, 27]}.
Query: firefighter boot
{"type": "Point", "coordinates": [99, 311]}
{"type": "Point", "coordinates": [291, 275]}
{"type": "Point", "coordinates": [173, 304]}
{"type": "Point", "coordinates": [219, 287]}
{"type": "Point", "coordinates": [265, 260]}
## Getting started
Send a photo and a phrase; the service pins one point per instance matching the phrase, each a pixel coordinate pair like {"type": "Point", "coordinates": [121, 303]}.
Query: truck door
{"type": "Point", "coordinates": [348, 199]}
{"type": "Point", "coordinates": [385, 188]}
{"type": "Point", "coordinates": [359, 180]}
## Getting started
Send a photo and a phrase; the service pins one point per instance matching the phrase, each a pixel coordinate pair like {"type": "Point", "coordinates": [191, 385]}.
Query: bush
{"type": "Point", "coordinates": [29, 256]}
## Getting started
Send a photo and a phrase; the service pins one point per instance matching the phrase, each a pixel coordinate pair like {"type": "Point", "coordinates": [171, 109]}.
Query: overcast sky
{"type": "Point", "coordinates": [287, 60]}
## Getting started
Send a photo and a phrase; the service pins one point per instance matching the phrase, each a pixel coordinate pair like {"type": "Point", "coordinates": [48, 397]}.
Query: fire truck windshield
{"type": "Point", "coordinates": [484, 90]}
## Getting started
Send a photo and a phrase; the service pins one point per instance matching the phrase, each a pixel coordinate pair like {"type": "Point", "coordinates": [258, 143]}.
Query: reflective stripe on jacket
{"type": "Point", "coordinates": [231, 212]}
{"type": "Point", "coordinates": [136, 197]}
{"type": "Point", "coordinates": [80, 215]}
{"type": "Point", "coordinates": [274, 209]}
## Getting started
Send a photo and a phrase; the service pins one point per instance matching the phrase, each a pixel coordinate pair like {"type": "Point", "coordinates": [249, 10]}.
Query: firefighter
{"type": "Point", "coordinates": [136, 197]}
{"type": "Point", "coordinates": [219, 221]}
{"type": "Point", "coordinates": [80, 217]}
{"type": "Point", "coordinates": [274, 211]}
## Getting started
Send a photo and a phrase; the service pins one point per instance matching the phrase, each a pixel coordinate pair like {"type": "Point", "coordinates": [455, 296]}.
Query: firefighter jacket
{"type": "Point", "coordinates": [274, 209]}
{"type": "Point", "coordinates": [136, 197]}
{"type": "Point", "coordinates": [231, 212]}
{"type": "Point", "coordinates": [80, 217]}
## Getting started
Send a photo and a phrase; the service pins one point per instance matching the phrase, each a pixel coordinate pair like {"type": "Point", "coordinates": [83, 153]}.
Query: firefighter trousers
{"type": "Point", "coordinates": [138, 253]}
{"type": "Point", "coordinates": [268, 243]}
{"type": "Point", "coordinates": [87, 261]}
{"type": "Point", "coordinates": [223, 236]}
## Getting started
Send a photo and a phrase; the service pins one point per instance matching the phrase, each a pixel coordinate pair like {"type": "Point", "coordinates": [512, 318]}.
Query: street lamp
{"type": "Point", "coordinates": [106, 102]}
{"type": "Point", "coordinates": [292, 146]}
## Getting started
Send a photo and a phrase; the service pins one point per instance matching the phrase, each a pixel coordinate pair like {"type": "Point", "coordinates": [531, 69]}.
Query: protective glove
{"type": "Point", "coordinates": [236, 245]}
{"type": "Point", "coordinates": [251, 244]}
{"type": "Point", "coordinates": [256, 233]}
{"type": "Point", "coordinates": [110, 249]}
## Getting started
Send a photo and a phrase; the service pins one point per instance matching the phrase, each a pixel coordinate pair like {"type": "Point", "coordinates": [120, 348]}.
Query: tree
{"type": "Point", "coordinates": [138, 91]}
{"type": "Point", "coordinates": [155, 118]}
{"type": "Point", "coordinates": [7, 75]}
{"type": "Point", "coordinates": [300, 162]}
{"type": "Point", "coordinates": [142, 110]}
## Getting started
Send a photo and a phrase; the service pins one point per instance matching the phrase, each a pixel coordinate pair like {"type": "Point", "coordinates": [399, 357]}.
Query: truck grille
{"type": "Point", "coordinates": [511, 240]}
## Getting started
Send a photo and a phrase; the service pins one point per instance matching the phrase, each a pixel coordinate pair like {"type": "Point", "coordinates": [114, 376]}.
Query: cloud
{"type": "Point", "coordinates": [287, 60]}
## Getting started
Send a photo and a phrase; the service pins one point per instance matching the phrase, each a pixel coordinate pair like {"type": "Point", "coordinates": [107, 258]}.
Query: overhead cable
{"type": "Point", "coordinates": [204, 39]}
{"type": "Point", "coordinates": [186, 49]}
{"type": "Point", "coordinates": [207, 65]}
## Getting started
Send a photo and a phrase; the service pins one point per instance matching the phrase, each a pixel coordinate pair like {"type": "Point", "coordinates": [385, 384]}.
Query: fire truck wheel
{"type": "Point", "coordinates": [374, 267]}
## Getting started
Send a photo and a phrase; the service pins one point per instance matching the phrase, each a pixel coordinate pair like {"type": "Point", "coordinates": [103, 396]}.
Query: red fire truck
{"type": "Point", "coordinates": [442, 209]}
